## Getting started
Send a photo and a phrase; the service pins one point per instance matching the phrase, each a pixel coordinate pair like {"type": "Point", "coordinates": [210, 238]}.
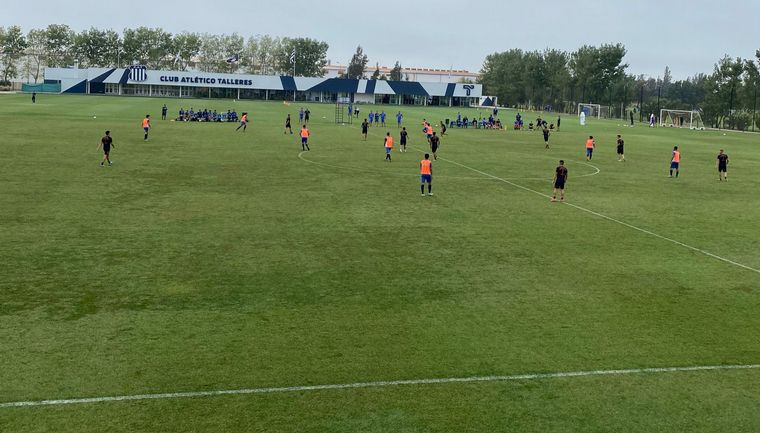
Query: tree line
{"type": "Point", "coordinates": [57, 45]}
{"type": "Point", "coordinates": [559, 80]}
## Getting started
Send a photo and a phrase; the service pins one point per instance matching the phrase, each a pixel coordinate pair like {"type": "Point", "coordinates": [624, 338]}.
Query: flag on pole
{"type": "Point", "coordinates": [293, 56]}
{"type": "Point", "coordinates": [233, 59]}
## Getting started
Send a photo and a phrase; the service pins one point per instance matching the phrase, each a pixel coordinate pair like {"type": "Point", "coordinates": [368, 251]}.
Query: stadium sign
{"type": "Point", "coordinates": [205, 80]}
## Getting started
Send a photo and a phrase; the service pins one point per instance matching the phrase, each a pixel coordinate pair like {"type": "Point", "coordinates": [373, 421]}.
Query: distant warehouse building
{"type": "Point", "coordinates": [139, 81]}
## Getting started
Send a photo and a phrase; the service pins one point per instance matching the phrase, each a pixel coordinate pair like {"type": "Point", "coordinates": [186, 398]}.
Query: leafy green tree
{"type": "Point", "coordinates": [357, 64]}
{"type": "Point", "coordinates": [59, 44]}
{"type": "Point", "coordinates": [12, 46]}
{"type": "Point", "coordinates": [376, 74]}
{"type": "Point", "coordinates": [35, 53]}
{"type": "Point", "coordinates": [91, 48]}
{"type": "Point", "coordinates": [186, 46]}
{"type": "Point", "coordinates": [311, 56]}
{"type": "Point", "coordinates": [149, 47]}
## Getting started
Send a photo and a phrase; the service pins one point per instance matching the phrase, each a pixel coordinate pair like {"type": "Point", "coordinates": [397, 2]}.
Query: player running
{"type": "Point", "coordinates": [388, 146]}
{"type": "Point", "coordinates": [305, 138]}
{"type": "Point", "coordinates": [146, 126]}
{"type": "Point", "coordinates": [435, 141]}
{"type": "Point", "coordinates": [106, 142]}
{"type": "Point", "coordinates": [560, 177]}
{"type": "Point", "coordinates": [722, 166]}
{"type": "Point", "coordinates": [243, 122]}
{"type": "Point", "coordinates": [675, 161]}
{"type": "Point", "coordinates": [426, 175]}
{"type": "Point", "coordinates": [404, 135]}
{"type": "Point", "coordinates": [620, 148]}
{"type": "Point", "coordinates": [590, 146]}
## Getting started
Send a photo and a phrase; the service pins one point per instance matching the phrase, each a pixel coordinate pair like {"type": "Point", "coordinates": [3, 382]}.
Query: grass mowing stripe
{"type": "Point", "coordinates": [609, 218]}
{"type": "Point", "coordinates": [379, 384]}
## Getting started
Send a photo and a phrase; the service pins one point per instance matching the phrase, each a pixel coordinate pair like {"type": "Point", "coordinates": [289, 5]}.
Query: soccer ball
{"type": "Point", "coordinates": [94, 117]}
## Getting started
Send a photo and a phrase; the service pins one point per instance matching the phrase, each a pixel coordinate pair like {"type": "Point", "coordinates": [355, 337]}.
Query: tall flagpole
{"type": "Point", "coordinates": [294, 74]}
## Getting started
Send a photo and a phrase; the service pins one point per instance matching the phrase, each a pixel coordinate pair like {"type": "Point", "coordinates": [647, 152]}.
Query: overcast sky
{"type": "Point", "coordinates": [687, 35]}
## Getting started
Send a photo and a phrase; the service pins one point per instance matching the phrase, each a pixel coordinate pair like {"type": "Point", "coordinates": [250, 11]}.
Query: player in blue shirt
{"type": "Point", "coordinates": [371, 117]}
{"type": "Point", "coordinates": [382, 118]}
{"type": "Point", "coordinates": [399, 118]}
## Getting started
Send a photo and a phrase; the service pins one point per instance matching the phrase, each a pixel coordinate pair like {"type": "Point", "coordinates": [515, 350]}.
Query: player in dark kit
{"type": "Point", "coordinates": [560, 177]}
{"type": "Point", "coordinates": [434, 142]}
{"type": "Point", "coordinates": [163, 112]}
{"type": "Point", "coordinates": [287, 126]}
{"type": "Point", "coordinates": [106, 142]}
{"type": "Point", "coordinates": [546, 137]}
{"type": "Point", "coordinates": [722, 166]}
{"type": "Point", "coordinates": [404, 135]}
{"type": "Point", "coordinates": [365, 127]}
{"type": "Point", "coordinates": [620, 148]}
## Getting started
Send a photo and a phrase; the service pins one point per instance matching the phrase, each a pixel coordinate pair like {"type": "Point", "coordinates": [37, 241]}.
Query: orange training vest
{"type": "Point", "coordinates": [425, 166]}
{"type": "Point", "coordinates": [388, 141]}
{"type": "Point", "coordinates": [244, 118]}
{"type": "Point", "coordinates": [676, 156]}
{"type": "Point", "coordinates": [146, 122]}
{"type": "Point", "coordinates": [304, 133]}
{"type": "Point", "coordinates": [589, 143]}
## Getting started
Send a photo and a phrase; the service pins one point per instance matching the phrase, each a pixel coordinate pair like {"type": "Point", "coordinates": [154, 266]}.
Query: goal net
{"type": "Point", "coordinates": [594, 111]}
{"type": "Point", "coordinates": [681, 119]}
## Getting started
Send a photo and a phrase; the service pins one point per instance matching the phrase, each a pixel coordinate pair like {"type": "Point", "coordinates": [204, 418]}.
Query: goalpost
{"type": "Point", "coordinates": [691, 119]}
{"type": "Point", "coordinates": [594, 110]}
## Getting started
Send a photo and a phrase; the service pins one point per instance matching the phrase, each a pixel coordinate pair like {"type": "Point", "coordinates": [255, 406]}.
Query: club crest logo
{"type": "Point", "coordinates": [138, 73]}
{"type": "Point", "coordinates": [468, 88]}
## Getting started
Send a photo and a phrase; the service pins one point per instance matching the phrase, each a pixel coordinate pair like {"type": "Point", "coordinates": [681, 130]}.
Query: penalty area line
{"type": "Point", "coordinates": [378, 384]}
{"type": "Point", "coordinates": [611, 219]}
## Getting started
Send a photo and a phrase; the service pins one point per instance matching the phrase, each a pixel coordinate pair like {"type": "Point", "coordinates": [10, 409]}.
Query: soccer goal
{"type": "Point", "coordinates": [594, 110]}
{"type": "Point", "coordinates": [681, 119]}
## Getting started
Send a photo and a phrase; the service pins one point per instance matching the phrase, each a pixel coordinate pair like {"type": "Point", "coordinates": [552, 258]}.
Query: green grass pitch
{"type": "Point", "coordinates": [209, 259]}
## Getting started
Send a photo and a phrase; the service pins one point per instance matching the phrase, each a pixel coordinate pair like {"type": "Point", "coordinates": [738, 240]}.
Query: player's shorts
{"type": "Point", "coordinates": [403, 142]}
{"type": "Point", "coordinates": [722, 168]}
{"type": "Point", "coordinates": [426, 178]}
{"type": "Point", "coordinates": [146, 130]}
{"type": "Point", "coordinates": [620, 150]}
{"type": "Point", "coordinates": [589, 151]}
{"type": "Point", "coordinates": [429, 136]}
{"type": "Point", "coordinates": [674, 165]}
{"type": "Point", "coordinates": [304, 140]}
{"type": "Point", "coordinates": [388, 149]}
{"type": "Point", "coordinates": [106, 150]}
{"type": "Point", "coordinates": [559, 184]}
{"type": "Point", "coordinates": [434, 149]}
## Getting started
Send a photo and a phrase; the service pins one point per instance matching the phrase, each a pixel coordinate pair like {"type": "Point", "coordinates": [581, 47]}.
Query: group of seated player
{"type": "Point", "coordinates": [484, 123]}
{"type": "Point", "coordinates": [206, 115]}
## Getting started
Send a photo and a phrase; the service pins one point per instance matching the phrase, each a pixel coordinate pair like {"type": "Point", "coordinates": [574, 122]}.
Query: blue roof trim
{"type": "Point", "coordinates": [124, 77]}
{"type": "Point", "coordinates": [407, 88]}
{"type": "Point", "coordinates": [336, 85]}
{"type": "Point", "coordinates": [371, 87]}
{"type": "Point", "coordinates": [80, 87]}
{"type": "Point", "coordinates": [450, 89]}
{"type": "Point", "coordinates": [102, 77]}
{"type": "Point", "coordinates": [288, 83]}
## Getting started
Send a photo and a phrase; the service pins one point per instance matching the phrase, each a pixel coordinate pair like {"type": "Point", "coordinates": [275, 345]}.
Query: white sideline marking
{"type": "Point", "coordinates": [609, 218]}
{"type": "Point", "coordinates": [379, 384]}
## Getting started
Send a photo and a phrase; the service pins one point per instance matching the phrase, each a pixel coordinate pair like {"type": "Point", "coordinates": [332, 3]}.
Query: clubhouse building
{"type": "Point", "coordinates": [139, 81]}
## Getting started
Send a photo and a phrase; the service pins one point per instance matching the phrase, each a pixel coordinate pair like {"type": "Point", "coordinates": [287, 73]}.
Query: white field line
{"type": "Point", "coordinates": [379, 384]}
{"type": "Point", "coordinates": [609, 218]}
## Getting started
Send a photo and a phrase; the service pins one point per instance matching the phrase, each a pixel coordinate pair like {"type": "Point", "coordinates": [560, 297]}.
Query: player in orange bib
{"type": "Point", "coordinates": [243, 122]}
{"type": "Point", "coordinates": [388, 146]}
{"type": "Point", "coordinates": [675, 161]}
{"type": "Point", "coordinates": [146, 126]}
{"type": "Point", "coordinates": [426, 175]}
{"type": "Point", "coordinates": [305, 138]}
{"type": "Point", "coordinates": [590, 145]}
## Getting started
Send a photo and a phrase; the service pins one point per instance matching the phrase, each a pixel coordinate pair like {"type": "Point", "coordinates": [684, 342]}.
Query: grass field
{"type": "Point", "coordinates": [206, 259]}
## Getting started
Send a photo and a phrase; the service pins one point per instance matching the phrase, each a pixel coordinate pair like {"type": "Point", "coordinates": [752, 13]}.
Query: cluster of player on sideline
{"type": "Point", "coordinates": [426, 166]}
